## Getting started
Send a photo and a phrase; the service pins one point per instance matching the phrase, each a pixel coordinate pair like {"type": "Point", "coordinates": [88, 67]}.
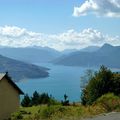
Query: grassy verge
{"type": "Point", "coordinates": [104, 104]}
{"type": "Point", "coordinates": [56, 112]}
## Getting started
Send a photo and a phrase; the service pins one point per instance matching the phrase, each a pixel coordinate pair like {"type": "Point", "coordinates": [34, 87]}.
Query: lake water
{"type": "Point", "coordinates": [62, 80]}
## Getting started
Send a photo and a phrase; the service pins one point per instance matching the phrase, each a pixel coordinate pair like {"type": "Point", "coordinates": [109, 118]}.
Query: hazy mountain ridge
{"type": "Point", "coordinates": [107, 55]}
{"type": "Point", "coordinates": [30, 54]}
{"type": "Point", "coordinates": [68, 51]}
{"type": "Point", "coordinates": [20, 70]}
{"type": "Point", "coordinates": [90, 49]}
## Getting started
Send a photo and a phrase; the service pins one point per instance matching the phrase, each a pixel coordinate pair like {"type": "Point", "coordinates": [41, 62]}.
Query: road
{"type": "Point", "coordinates": [109, 116]}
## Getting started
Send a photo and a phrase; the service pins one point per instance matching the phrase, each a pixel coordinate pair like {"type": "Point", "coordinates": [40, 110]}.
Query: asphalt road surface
{"type": "Point", "coordinates": [109, 116]}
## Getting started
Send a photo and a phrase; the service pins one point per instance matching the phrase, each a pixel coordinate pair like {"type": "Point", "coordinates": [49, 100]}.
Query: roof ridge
{"type": "Point", "coordinates": [2, 75]}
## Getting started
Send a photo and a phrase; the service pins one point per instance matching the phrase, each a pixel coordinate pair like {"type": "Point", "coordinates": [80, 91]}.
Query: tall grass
{"type": "Point", "coordinates": [106, 103]}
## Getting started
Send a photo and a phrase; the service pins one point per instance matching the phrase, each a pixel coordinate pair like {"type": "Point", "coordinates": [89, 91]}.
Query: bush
{"type": "Point", "coordinates": [17, 116]}
{"type": "Point", "coordinates": [109, 101]}
{"type": "Point", "coordinates": [48, 112]}
{"type": "Point", "coordinates": [54, 112]}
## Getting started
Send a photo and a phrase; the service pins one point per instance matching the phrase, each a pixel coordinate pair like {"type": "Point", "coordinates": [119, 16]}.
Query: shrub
{"type": "Point", "coordinates": [52, 112]}
{"type": "Point", "coordinates": [17, 116]}
{"type": "Point", "coordinates": [48, 112]}
{"type": "Point", "coordinates": [109, 101]}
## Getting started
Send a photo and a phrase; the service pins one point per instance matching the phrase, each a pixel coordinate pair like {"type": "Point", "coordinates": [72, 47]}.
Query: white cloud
{"type": "Point", "coordinates": [107, 8]}
{"type": "Point", "coordinates": [12, 36]}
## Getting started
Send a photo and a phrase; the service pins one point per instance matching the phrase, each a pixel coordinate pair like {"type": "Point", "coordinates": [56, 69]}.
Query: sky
{"type": "Point", "coordinates": [59, 24]}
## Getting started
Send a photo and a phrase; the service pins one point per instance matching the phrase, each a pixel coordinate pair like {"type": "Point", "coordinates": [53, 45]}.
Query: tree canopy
{"type": "Point", "coordinates": [102, 82]}
{"type": "Point", "coordinates": [38, 99]}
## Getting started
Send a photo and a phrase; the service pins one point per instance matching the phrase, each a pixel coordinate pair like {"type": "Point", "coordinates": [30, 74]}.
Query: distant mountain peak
{"type": "Point", "coordinates": [68, 51]}
{"type": "Point", "coordinates": [30, 54]}
{"type": "Point", "coordinates": [107, 45]}
{"type": "Point", "coordinates": [106, 48]}
{"type": "Point", "coordinates": [107, 55]}
{"type": "Point", "coordinates": [90, 49]}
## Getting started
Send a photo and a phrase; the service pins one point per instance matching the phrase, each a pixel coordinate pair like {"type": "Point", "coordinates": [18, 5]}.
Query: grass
{"type": "Point", "coordinates": [104, 104]}
{"type": "Point", "coordinates": [56, 112]}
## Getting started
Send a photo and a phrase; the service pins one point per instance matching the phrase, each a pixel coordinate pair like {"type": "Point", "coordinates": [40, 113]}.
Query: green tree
{"type": "Point", "coordinates": [44, 98]}
{"type": "Point", "coordinates": [38, 99]}
{"type": "Point", "coordinates": [35, 98]}
{"type": "Point", "coordinates": [26, 102]}
{"type": "Point", "coordinates": [115, 84]}
{"type": "Point", "coordinates": [86, 77]}
{"type": "Point", "coordinates": [66, 101]}
{"type": "Point", "coordinates": [98, 85]}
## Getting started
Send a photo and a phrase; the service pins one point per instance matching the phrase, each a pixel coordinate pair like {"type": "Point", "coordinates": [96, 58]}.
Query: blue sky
{"type": "Point", "coordinates": [47, 16]}
{"type": "Point", "coordinates": [56, 17]}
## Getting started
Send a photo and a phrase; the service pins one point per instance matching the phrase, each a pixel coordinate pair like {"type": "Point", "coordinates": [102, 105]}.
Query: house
{"type": "Point", "coordinates": [9, 96]}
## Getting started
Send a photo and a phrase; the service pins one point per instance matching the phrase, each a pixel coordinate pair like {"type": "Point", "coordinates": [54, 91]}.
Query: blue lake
{"type": "Point", "coordinates": [62, 80]}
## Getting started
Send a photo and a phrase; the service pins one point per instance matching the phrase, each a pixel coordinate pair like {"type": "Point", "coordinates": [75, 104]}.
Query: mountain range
{"type": "Point", "coordinates": [90, 49]}
{"type": "Point", "coordinates": [107, 55]}
{"type": "Point", "coordinates": [30, 54]}
{"type": "Point", "coordinates": [20, 70]}
{"type": "Point", "coordinates": [20, 62]}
